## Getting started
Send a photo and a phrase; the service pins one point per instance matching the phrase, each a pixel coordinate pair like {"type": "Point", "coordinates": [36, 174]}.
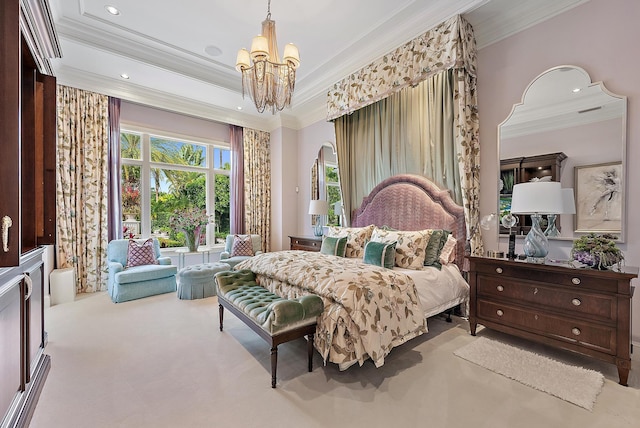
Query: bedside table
{"type": "Point", "coordinates": [582, 310]}
{"type": "Point", "coordinates": [306, 243]}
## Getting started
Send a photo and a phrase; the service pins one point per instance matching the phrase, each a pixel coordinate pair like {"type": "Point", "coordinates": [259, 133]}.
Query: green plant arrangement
{"type": "Point", "coordinates": [191, 222]}
{"type": "Point", "coordinates": [597, 251]}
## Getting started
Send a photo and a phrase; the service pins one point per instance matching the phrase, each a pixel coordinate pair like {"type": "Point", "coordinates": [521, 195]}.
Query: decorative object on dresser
{"type": "Point", "coordinates": [305, 243]}
{"type": "Point", "coordinates": [536, 198]}
{"type": "Point", "coordinates": [318, 208]}
{"type": "Point", "coordinates": [582, 310]}
{"type": "Point", "coordinates": [597, 251]}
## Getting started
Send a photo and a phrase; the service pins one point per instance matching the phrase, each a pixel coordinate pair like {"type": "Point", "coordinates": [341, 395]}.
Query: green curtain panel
{"type": "Point", "coordinates": [82, 185]}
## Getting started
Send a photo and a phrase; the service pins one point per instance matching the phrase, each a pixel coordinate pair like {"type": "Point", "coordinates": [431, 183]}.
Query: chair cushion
{"type": "Point", "coordinates": [139, 254]}
{"type": "Point", "coordinates": [144, 273]}
{"type": "Point", "coordinates": [242, 246]}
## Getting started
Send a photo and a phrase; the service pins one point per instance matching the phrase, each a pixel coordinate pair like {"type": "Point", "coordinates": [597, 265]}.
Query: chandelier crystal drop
{"type": "Point", "coordinates": [268, 81]}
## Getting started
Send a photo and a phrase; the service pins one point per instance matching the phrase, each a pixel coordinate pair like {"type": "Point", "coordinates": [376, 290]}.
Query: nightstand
{"type": "Point", "coordinates": [582, 310]}
{"type": "Point", "coordinates": [306, 243]}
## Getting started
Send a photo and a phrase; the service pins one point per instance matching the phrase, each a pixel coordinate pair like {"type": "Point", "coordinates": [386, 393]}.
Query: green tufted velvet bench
{"type": "Point", "coordinates": [275, 319]}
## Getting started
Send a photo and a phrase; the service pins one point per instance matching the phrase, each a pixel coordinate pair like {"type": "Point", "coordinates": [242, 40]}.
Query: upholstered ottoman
{"type": "Point", "coordinates": [198, 281]}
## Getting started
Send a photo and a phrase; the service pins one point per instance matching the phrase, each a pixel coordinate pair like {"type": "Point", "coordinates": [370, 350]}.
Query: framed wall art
{"type": "Point", "coordinates": [599, 193]}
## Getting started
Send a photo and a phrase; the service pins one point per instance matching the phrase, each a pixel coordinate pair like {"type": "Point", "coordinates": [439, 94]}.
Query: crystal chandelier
{"type": "Point", "coordinates": [268, 81]}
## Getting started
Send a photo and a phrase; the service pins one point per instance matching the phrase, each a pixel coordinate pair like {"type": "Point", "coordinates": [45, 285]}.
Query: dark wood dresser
{"type": "Point", "coordinates": [306, 243]}
{"type": "Point", "coordinates": [583, 310]}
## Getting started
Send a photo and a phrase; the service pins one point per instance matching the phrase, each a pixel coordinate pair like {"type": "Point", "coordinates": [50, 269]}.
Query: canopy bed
{"type": "Point", "coordinates": [369, 309]}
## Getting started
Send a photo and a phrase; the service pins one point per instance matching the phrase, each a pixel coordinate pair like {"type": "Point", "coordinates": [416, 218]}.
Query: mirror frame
{"type": "Point", "coordinates": [575, 234]}
{"type": "Point", "coordinates": [315, 171]}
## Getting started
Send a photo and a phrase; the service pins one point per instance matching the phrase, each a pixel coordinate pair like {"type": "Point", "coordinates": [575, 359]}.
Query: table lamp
{"type": "Point", "coordinates": [320, 208]}
{"type": "Point", "coordinates": [536, 198]}
{"type": "Point", "coordinates": [568, 207]}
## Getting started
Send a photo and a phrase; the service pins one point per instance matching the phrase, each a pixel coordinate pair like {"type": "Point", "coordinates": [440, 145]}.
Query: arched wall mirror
{"type": "Point", "coordinates": [325, 183]}
{"type": "Point", "coordinates": [571, 130]}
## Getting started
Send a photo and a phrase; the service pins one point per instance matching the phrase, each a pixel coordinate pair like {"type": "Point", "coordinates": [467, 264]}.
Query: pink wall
{"type": "Point", "coordinates": [151, 117]}
{"type": "Point", "coordinates": [601, 36]}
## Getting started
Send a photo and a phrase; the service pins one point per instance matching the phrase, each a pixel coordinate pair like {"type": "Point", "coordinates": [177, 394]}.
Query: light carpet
{"type": "Point", "coordinates": [570, 383]}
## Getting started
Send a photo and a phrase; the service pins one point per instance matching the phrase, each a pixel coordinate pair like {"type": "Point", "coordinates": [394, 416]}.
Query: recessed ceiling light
{"type": "Point", "coordinates": [112, 10]}
{"type": "Point", "coordinates": [213, 50]}
{"type": "Point", "coordinates": [576, 90]}
{"type": "Point", "coordinates": [239, 107]}
{"type": "Point", "coordinates": [124, 76]}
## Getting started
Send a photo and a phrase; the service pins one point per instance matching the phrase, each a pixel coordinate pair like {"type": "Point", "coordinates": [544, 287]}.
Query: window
{"type": "Point", "coordinates": [162, 175]}
{"type": "Point", "coordinates": [332, 184]}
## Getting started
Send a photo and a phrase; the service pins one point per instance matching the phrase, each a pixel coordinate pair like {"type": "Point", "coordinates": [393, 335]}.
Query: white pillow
{"type": "Point", "coordinates": [410, 245]}
{"type": "Point", "coordinates": [448, 253]}
{"type": "Point", "coordinates": [357, 238]}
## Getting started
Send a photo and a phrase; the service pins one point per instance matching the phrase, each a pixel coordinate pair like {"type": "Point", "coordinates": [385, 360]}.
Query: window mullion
{"type": "Point", "coordinates": [145, 183]}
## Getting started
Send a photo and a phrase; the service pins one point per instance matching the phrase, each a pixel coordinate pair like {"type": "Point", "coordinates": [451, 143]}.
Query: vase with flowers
{"type": "Point", "coordinates": [598, 251]}
{"type": "Point", "coordinates": [192, 222]}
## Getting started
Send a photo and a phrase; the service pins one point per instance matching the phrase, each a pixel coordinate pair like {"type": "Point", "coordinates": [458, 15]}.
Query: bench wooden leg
{"type": "Point", "coordinates": [221, 311]}
{"type": "Point", "coordinates": [310, 350]}
{"type": "Point", "coordinates": [274, 365]}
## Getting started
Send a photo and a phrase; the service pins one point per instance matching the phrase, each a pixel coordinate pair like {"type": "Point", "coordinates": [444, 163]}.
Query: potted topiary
{"type": "Point", "coordinates": [597, 251]}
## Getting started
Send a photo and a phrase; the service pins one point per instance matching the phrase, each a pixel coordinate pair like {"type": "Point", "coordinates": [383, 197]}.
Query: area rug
{"type": "Point", "coordinates": [576, 385]}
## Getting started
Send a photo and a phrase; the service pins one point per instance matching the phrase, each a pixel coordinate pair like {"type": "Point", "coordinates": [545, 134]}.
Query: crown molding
{"type": "Point", "coordinates": [171, 102]}
{"type": "Point", "coordinates": [194, 66]}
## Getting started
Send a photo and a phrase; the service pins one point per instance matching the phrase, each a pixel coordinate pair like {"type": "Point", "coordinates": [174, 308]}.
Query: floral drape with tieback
{"type": "Point", "coordinates": [82, 186]}
{"type": "Point", "coordinates": [257, 184]}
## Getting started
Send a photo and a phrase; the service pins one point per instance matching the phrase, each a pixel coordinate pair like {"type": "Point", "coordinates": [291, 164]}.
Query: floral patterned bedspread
{"type": "Point", "coordinates": [368, 310]}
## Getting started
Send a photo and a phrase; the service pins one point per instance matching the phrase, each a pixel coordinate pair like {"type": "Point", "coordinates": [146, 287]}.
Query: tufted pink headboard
{"type": "Point", "coordinates": [412, 202]}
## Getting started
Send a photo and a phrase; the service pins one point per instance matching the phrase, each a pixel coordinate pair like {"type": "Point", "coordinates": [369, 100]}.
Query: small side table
{"type": "Point", "coordinates": [305, 243]}
{"type": "Point", "coordinates": [182, 252]}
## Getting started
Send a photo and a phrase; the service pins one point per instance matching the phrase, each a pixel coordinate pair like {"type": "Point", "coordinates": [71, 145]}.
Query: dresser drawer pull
{"type": "Point", "coordinates": [535, 291]}
{"type": "Point", "coordinates": [297, 242]}
{"type": "Point", "coordinates": [576, 281]}
{"type": "Point", "coordinates": [576, 302]}
{"type": "Point", "coordinates": [314, 244]}
{"type": "Point", "coordinates": [499, 269]}
{"type": "Point", "coordinates": [500, 288]}
{"type": "Point", "coordinates": [499, 312]}
{"type": "Point", "coordinates": [576, 331]}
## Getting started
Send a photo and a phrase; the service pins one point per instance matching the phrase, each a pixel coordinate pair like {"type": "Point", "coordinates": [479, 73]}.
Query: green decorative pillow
{"type": "Point", "coordinates": [334, 246]}
{"type": "Point", "coordinates": [380, 254]}
{"type": "Point", "coordinates": [436, 242]}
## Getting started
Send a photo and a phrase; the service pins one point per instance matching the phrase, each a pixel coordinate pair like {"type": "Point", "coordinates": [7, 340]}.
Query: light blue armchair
{"type": "Point", "coordinates": [129, 283]}
{"type": "Point", "coordinates": [225, 256]}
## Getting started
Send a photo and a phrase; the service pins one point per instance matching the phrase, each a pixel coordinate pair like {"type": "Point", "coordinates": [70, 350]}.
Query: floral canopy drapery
{"type": "Point", "coordinates": [449, 46]}
{"type": "Point", "coordinates": [82, 185]}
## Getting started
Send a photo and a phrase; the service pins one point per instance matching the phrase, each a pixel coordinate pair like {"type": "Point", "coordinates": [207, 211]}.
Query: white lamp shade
{"type": "Point", "coordinates": [318, 207]}
{"type": "Point", "coordinates": [259, 48]}
{"type": "Point", "coordinates": [540, 197]}
{"type": "Point", "coordinates": [568, 202]}
{"type": "Point", "coordinates": [243, 60]}
{"type": "Point", "coordinates": [292, 55]}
